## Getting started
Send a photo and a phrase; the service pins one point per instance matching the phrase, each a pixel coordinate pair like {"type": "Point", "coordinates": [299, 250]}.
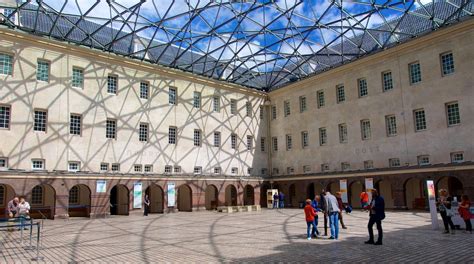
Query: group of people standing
{"type": "Point", "coordinates": [278, 200]}
{"type": "Point", "coordinates": [444, 204]}
{"type": "Point", "coordinates": [18, 208]}
{"type": "Point", "coordinates": [331, 208]}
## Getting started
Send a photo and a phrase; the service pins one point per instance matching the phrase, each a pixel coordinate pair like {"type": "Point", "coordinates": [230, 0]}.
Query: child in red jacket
{"type": "Point", "coordinates": [309, 215]}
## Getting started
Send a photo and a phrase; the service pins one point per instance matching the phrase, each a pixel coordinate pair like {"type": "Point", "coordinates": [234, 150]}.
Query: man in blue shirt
{"type": "Point", "coordinates": [281, 198]}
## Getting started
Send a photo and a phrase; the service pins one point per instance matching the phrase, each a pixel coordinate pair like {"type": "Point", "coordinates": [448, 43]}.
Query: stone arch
{"type": "Point", "coordinates": [384, 188]}
{"type": "Point", "coordinates": [43, 201]}
{"type": "Point", "coordinates": [212, 197]}
{"type": "Point", "coordinates": [185, 198]}
{"type": "Point", "coordinates": [452, 184]}
{"type": "Point", "coordinates": [119, 200]}
{"type": "Point", "coordinates": [156, 195]}
{"type": "Point", "coordinates": [292, 198]}
{"type": "Point", "coordinates": [355, 188]}
{"type": "Point", "coordinates": [414, 195]}
{"type": "Point", "coordinates": [231, 195]}
{"type": "Point", "coordinates": [79, 201]}
{"type": "Point", "coordinates": [249, 195]}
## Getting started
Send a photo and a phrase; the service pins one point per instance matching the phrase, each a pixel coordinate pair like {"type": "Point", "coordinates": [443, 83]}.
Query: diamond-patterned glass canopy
{"type": "Point", "coordinates": [260, 44]}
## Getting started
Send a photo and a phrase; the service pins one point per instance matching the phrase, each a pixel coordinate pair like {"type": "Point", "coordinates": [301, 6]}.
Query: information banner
{"type": "Point", "coordinates": [101, 186]}
{"type": "Point", "coordinates": [171, 194]}
{"type": "Point", "coordinates": [343, 189]}
{"type": "Point", "coordinates": [369, 185]}
{"type": "Point", "coordinates": [137, 195]}
{"type": "Point", "coordinates": [432, 202]}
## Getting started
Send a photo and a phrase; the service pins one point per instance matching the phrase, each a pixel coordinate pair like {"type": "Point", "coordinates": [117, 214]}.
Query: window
{"type": "Point", "coordinates": [342, 133]}
{"type": "Point", "coordinates": [286, 106]}
{"type": "Point", "coordinates": [197, 100]}
{"type": "Point", "coordinates": [415, 72]}
{"type": "Point", "coordinates": [324, 167]}
{"type": "Point", "coordinates": [323, 137]}
{"type": "Point", "coordinates": [3, 164]}
{"type": "Point", "coordinates": [263, 144]}
{"type": "Point", "coordinates": [115, 167]}
{"type": "Point", "coordinates": [249, 171]}
{"type": "Point", "coordinates": [340, 94]}
{"type": "Point", "coordinates": [423, 160]}
{"type": "Point", "coordinates": [197, 137]}
{"type": "Point", "coordinates": [420, 120]}
{"type": "Point", "coordinates": [368, 164]}
{"type": "Point", "coordinates": [74, 195]}
{"type": "Point", "coordinates": [172, 135]}
{"type": "Point", "coordinates": [306, 169]}
{"type": "Point", "coordinates": [104, 167]}
{"type": "Point", "coordinates": [74, 166]}
{"type": "Point", "coordinates": [75, 124]}
{"type": "Point", "coordinates": [394, 162]}
{"type": "Point", "coordinates": [290, 170]}
{"type": "Point", "coordinates": [137, 168]}
{"type": "Point", "coordinates": [289, 142]}
{"type": "Point", "coordinates": [143, 132]}
{"type": "Point", "coordinates": [457, 157]}
{"type": "Point", "coordinates": [447, 63]}
{"type": "Point", "coordinates": [112, 84]}
{"type": "Point", "coordinates": [217, 170]}
{"type": "Point", "coordinates": [275, 171]}
{"type": "Point", "coordinates": [177, 169]}
{"type": "Point", "coordinates": [365, 129]}
{"type": "Point", "coordinates": [387, 81]}
{"type": "Point", "coordinates": [234, 170]}
{"type": "Point", "coordinates": [275, 143]}
{"type": "Point", "coordinates": [148, 168]}
{"type": "Point", "coordinates": [249, 142]}
{"type": "Point", "coordinates": [274, 112]}
{"type": "Point", "coordinates": [217, 139]}
{"type": "Point", "coordinates": [111, 128]}
{"type": "Point", "coordinates": [77, 78]}
{"type": "Point", "coordinates": [302, 104]}
{"type": "Point", "coordinates": [40, 120]}
{"type": "Point", "coordinates": [216, 104]}
{"type": "Point", "coordinates": [4, 116]}
{"type": "Point", "coordinates": [10, 14]}
{"type": "Point", "coordinates": [320, 98]}
{"type": "Point", "coordinates": [37, 195]}
{"type": "Point", "coordinates": [248, 109]}
{"type": "Point", "coordinates": [233, 141]}
{"type": "Point", "coordinates": [144, 90]}
{"type": "Point", "coordinates": [452, 114]}
{"type": "Point", "coordinates": [304, 139]}
{"type": "Point", "coordinates": [391, 125]}
{"type": "Point", "coordinates": [37, 164]}
{"type": "Point", "coordinates": [168, 168]}
{"type": "Point", "coordinates": [172, 96]}
{"type": "Point", "coordinates": [264, 171]}
{"type": "Point", "coordinates": [6, 64]}
{"type": "Point", "coordinates": [42, 71]}
{"type": "Point", "coordinates": [362, 85]}
{"type": "Point", "coordinates": [345, 166]}
{"type": "Point", "coordinates": [262, 111]}
{"type": "Point", "coordinates": [233, 106]}
{"type": "Point", "coordinates": [197, 170]}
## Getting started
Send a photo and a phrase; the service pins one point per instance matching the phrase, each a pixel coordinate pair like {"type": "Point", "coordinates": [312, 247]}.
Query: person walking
{"type": "Point", "coordinates": [464, 212]}
{"type": "Point", "coordinates": [364, 200]}
{"type": "Point", "coordinates": [309, 213]}
{"type": "Point", "coordinates": [146, 203]}
{"type": "Point", "coordinates": [341, 208]}
{"type": "Point", "coordinates": [315, 205]}
{"type": "Point", "coordinates": [275, 200]}
{"type": "Point", "coordinates": [281, 199]}
{"type": "Point", "coordinates": [23, 212]}
{"type": "Point", "coordinates": [444, 206]}
{"type": "Point", "coordinates": [323, 209]}
{"type": "Point", "coordinates": [333, 212]}
{"type": "Point", "coordinates": [376, 215]}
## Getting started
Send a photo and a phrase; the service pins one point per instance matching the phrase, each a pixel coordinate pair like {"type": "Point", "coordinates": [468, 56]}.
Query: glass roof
{"type": "Point", "coordinates": [259, 44]}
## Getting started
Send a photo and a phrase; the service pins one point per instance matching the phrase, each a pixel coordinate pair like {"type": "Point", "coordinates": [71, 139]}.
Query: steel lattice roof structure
{"type": "Point", "coordinates": [262, 44]}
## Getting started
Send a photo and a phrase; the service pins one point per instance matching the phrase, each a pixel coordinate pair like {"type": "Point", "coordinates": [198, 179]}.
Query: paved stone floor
{"type": "Point", "coordinates": [267, 236]}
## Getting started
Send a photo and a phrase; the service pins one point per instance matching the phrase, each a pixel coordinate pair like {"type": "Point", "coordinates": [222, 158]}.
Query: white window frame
{"type": "Point", "coordinates": [43, 165]}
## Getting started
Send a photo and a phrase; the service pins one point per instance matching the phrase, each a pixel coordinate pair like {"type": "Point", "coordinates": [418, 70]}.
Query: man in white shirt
{"type": "Point", "coordinates": [23, 211]}
{"type": "Point", "coordinates": [333, 213]}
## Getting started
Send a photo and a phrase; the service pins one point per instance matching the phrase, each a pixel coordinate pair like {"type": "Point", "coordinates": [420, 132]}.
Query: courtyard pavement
{"type": "Point", "coordinates": [266, 236]}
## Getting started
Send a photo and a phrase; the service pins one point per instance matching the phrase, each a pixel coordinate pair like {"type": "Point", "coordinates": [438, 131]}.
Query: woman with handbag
{"type": "Point", "coordinates": [464, 212]}
{"type": "Point", "coordinates": [444, 206]}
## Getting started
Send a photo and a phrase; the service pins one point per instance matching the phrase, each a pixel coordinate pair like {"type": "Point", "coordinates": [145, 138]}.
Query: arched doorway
{"type": "Point", "coordinates": [185, 198]}
{"type": "Point", "coordinates": [333, 187]}
{"type": "Point", "coordinates": [156, 195]}
{"type": "Point", "coordinates": [249, 198]}
{"type": "Point", "coordinates": [7, 193]}
{"type": "Point", "coordinates": [211, 197]}
{"type": "Point", "coordinates": [230, 195]}
{"type": "Point", "coordinates": [119, 200]}
{"type": "Point", "coordinates": [293, 200]}
{"type": "Point", "coordinates": [452, 184]}
{"type": "Point", "coordinates": [43, 201]}
{"type": "Point", "coordinates": [385, 190]}
{"type": "Point", "coordinates": [79, 201]}
{"type": "Point", "coordinates": [263, 195]}
{"type": "Point", "coordinates": [414, 198]}
{"type": "Point", "coordinates": [310, 193]}
{"type": "Point", "coordinates": [318, 188]}
{"type": "Point", "coordinates": [354, 191]}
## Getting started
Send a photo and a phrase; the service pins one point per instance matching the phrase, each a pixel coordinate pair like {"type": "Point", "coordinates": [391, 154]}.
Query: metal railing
{"type": "Point", "coordinates": [12, 224]}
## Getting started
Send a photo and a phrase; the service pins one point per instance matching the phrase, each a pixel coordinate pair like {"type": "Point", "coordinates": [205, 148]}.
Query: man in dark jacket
{"type": "Point", "coordinates": [377, 214]}
{"type": "Point", "coordinates": [322, 206]}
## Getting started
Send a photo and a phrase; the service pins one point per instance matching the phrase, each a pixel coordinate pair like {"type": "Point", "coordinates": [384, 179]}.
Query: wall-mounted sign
{"type": "Point", "coordinates": [171, 194]}
{"type": "Point", "coordinates": [137, 195]}
{"type": "Point", "coordinates": [101, 186]}
{"type": "Point", "coordinates": [343, 190]}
